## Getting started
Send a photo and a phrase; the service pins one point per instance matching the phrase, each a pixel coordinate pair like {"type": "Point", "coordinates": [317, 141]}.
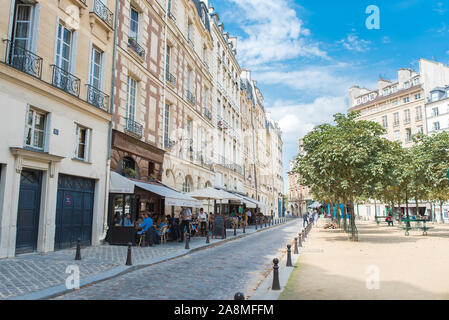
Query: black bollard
{"type": "Point", "coordinates": [239, 296]}
{"type": "Point", "coordinates": [265, 222]}
{"type": "Point", "coordinates": [299, 239]}
{"type": "Point", "coordinates": [296, 246]}
{"type": "Point", "coordinates": [303, 235]}
{"type": "Point", "coordinates": [256, 224]}
{"type": "Point", "coordinates": [244, 227]}
{"type": "Point", "coordinates": [207, 237]}
{"type": "Point", "coordinates": [187, 240]}
{"type": "Point", "coordinates": [78, 250]}
{"type": "Point", "coordinates": [289, 256]}
{"type": "Point", "coordinates": [128, 256]}
{"type": "Point", "coordinates": [276, 285]}
{"type": "Point", "coordinates": [235, 230]}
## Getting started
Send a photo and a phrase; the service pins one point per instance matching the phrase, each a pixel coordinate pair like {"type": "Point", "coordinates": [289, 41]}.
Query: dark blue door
{"type": "Point", "coordinates": [74, 211]}
{"type": "Point", "coordinates": [28, 211]}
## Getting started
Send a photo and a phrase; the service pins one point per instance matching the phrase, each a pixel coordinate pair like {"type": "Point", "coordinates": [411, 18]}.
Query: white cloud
{"type": "Point", "coordinates": [274, 33]}
{"type": "Point", "coordinates": [297, 119]}
{"type": "Point", "coordinates": [353, 43]}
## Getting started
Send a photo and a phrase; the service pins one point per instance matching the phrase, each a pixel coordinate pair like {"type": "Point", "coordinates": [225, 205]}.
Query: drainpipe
{"type": "Point", "coordinates": [108, 162]}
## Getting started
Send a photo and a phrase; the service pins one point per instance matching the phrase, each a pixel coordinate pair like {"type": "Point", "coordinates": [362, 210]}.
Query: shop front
{"type": "Point", "coordinates": [129, 198]}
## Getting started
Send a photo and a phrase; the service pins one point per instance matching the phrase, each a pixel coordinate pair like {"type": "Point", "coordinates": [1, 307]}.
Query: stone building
{"type": "Point", "coordinates": [226, 100]}
{"type": "Point", "coordinates": [55, 87]}
{"type": "Point", "coordinates": [400, 107]}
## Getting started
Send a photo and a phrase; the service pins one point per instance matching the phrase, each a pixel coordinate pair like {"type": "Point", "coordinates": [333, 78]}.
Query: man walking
{"type": "Point", "coordinates": [203, 220]}
{"type": "Point", "coordinates": [305, 219]}
{"type": "Point", "coordinates": [186, 216]}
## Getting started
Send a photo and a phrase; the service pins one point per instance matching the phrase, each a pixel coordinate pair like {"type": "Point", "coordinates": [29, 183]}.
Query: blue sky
{"type": "Point", "coordinates": [306, 54]}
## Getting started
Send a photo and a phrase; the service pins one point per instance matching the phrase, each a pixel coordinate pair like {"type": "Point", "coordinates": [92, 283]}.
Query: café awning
{"type": "Point", "coordinates": [212, 194]}
{"type": "Point", "coordinates": [172, 197]}
{"type": "Point", "coordinates": [120, 184]}
{"type": "Point", "coordinates": [247, 201]}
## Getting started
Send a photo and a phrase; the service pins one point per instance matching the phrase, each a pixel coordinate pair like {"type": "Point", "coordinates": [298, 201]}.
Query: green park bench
{"type": "Point", "coordinates": [420, 225]}
{"type": "Point", "coordinates": [380, 217]}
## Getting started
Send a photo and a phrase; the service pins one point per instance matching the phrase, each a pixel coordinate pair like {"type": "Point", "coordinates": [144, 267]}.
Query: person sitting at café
{"type": "Point", "coordinates": [127, 222]}
{"type": "Point", "coordinates": [161, 224]}
{"type": "Point", "coordinates": [145, 226]}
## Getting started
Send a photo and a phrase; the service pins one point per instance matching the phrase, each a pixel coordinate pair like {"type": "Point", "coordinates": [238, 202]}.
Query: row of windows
{"type": "Point", "coordinates": [387, 91]}
{"type": "Point", "coordinates": [418, 117]}
{"type": "Point", "coordinates": [36, 132]}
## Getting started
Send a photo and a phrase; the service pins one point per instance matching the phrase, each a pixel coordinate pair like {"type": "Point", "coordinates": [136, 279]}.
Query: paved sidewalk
{"type": "Point", "coordinates": [36, 276]}
{"type": "Point", "coordinates": [384, 264]}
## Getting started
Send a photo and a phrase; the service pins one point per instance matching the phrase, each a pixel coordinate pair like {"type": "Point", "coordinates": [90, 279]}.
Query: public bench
{"type": "Point", "coordinates": [380, 217]}
{"type": "Point", "coordinates": [418, 226]}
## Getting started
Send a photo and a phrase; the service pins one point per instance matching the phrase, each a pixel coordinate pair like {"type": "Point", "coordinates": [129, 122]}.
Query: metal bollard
{"type": "Point", "coordinates": [256, 224]}
{"type": "Point", "coordinates": [296, 246]}
{"type": "Point", "coordinates": [235, 230]}
{"type": "Point", "coordinates": [128, 256]}
{"type": "Point", "coordinates": [187, 240]}
{"type": "Point", "coordinates": [289, 256]}
{"type": "Point", "coordinates": [265, 222]}
{"type": "Point", "coordinates": [244, 227]}
{"type": "Point", "coordinates": [207, 237]}
{"type": "Point", "coordinates": [78, 250]}
{"type": "Point", "coordinates": [276, 285]}
{"type": "Point", "coordinates": [299, 239]}
{"type": "Point", "coordinates": [239, 296]}
{"type": "Point", "coordinates": [303, 235]}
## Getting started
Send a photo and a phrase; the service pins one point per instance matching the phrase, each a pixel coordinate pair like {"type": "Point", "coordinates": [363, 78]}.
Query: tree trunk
{"type": "Point", "coordinates": [399, 211]}
{"type": "Point", "coordinates": [344, 215]}
{"type": "Point", "coordinates": [417, 207]}
{"type": "Point", "coordinates": [337, 207]}
{"type": "Point", "coordinates": [441, 212]}
{"type": "Point", "coordinates": [406, 209]}
{"type": "Point", "coordinates": [352, 222]}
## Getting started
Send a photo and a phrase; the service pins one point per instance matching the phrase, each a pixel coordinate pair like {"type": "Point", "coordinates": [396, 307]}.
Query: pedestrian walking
{"type": "Point", "coordinates": [305, 219]}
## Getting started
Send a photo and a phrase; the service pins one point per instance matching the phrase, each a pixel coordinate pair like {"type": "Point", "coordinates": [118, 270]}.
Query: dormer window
{"type": "Point", "coordinates": [365, 99]}
{"type": "Point", "coordinates": [386, 91]}
{"type": "Point", "coordinates": [407, 85]}
{"type": "Point", "coordinates": [416, 81]}
{"type": "Point", "coordinates": [371, 96]}
{"type": "Point", "coordinates": [394, 89]}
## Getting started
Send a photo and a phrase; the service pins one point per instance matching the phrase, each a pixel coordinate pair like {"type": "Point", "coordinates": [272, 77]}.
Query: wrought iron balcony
{"type": "Point", "coordinates": [190, 97]}
{"type": "Point", "coordinates": [66, 81]}
{"type": "Point", "coordinates": [104, 13]}
{"type": "Point", "coordinates": [23, 60]}
{"type": "Point", "coordinates": [97, 98]}
{"type": "Point", "coordinates": [168, 143]}
{"type": "Point", "coordinates": [190, 42]}
{"type": "Point", "coordinates": [207, 113]}
{"type": "Point", "coordinates": [171, 78]}
{"type": "Point", "coordinates": [132, 43]}
{"type": "Point", "coordinates": [134, 128]}
{"type": "Point", "coordinates": [171, 16]}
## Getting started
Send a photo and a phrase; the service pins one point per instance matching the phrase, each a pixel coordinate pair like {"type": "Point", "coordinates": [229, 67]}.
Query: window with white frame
{"type": "Point", "coordinates": [406, 99]}
{"type": "Point", "coordinates": [64, 46]}
{"type": "Point", "coordinates": [416, 81]}
{"type": "Point", "coordinates": [420, 129]}
{"type": "Point", "coordinates": [35, 129]}
{"type": "Point", "coordinates": [96, 68]}
{"type": "Point", "coordinates": [396, 119]}
{"type": "Point", "coordinates": [408, 134]}
{"type": "Point", "coordinates": [131, 89]}
{"type": "Point", "coordinates": [397, 135]}
{"type": "Point", "coordinates": [394, 89]}
{"type": "Point", "coordinates": [418, 113]}
{"type": "Point", "coordinates": [22, 26]}
{"type": "Point", "coordinates": [417, 96]}
{"type": "Point", "coordinates": [407, 116]}
{"type": "Point", "coordinates": [386, 91]}
{"type": "Point", "coordinates": [435, 111]}
{"type": "Point", "coordinates": [385, 121]}
{"type": "Point", "coordinates": [134, 25]}
{"type": "Point", "coordinates": [82, 140]}
{"type": "Point", "coordinates": [436, 125]}
{"type": "Point", "coordinates": [407, 85]}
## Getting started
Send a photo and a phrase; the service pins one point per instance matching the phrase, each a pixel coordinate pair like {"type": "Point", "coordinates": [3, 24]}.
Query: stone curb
{"type": "Point", "coordinates": [59, 290]}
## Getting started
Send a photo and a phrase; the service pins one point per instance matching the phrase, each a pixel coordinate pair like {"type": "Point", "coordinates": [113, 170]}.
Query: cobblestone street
{"type": "Point", "coordinates": [214, 273]}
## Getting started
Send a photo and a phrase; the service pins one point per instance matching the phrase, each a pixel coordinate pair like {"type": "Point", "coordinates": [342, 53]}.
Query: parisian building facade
{"type": "Point", "coordinates": [415, 103]}
{"type": "Point", "coordinates": [151, 90]}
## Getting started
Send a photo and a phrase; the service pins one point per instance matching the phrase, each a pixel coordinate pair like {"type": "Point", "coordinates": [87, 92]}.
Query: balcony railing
{"type": "Point", "coordinates": [207, 113]}
{"type": "Point", "coordinates": [23, 60]}
{"type": "Point", "coordinates": [169, 144]}
{"type": "Point", "coordinates": [171, 78]}
{"type": "Point", "coordinates": [190, 97]}
{"type": "Point", "coordinates": [190, 42]}
{"type": "Point", "coordinates": [133, 127]}
{"type": "Point", "coordinates": [97, 98]}
{"type": "Point", "coordinates": [65, 81]}
{"type": "Point", "coordinates": [171, 16]}
{"type": "Point", "coordinates": [104, 13]}
{"type": "Point", "coordinates": [132, 43]}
